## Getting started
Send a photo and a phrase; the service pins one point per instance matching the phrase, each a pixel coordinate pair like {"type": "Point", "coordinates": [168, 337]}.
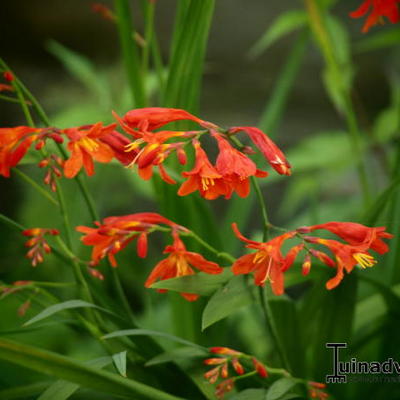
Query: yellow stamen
{"type": "Point", "coordinates": [364, 260]}
{"type": "Point", "coordinates": [267, 277]}
{"type": "Point", "coordinates": [89, 144]}
{"type": "Point", "coordinates": [132, 146]}
{"type": "Point", "coordinates": [206, 182]}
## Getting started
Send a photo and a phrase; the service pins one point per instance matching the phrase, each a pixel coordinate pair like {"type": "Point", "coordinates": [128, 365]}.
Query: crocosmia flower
{"type": "Point", "coordinates": [180, 263]}
{"type": "Point", "coordinates": [268, 263]}
{"type": "Point", "coordinates": [378, 9]}
{"type": "Point", "coordinates": [85, 145]}
{"type": "Point", "coordinates": [115, 233]}
{"type": "Point", "coordinates": [268, 148]}
{"type": "Point", "coordinates": [38, 244]}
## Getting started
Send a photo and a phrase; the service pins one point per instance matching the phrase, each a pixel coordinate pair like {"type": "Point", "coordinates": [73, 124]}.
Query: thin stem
{"type": "Point", "coordinates": [263, 207]}
{"type": "Point", "coordinates": [11, 99]}
{"type": "Point", "coordinates": [11, 223]}
{"type": "Point", "coordinates": [148, 34]}
{"type": "Point", "coordinates": [43, 192]}
{"type": "Point", "coordinates": [23, 104]}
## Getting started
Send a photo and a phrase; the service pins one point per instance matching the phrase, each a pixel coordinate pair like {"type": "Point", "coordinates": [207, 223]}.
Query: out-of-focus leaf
{"type": "Point", "coordinates": [283, 25]}
{"type": "Point", "coordinates": [176, 354]}
{"type": "Point", "coordinates": [336, 83]}
{"type": "Point", "coordinates": [62, 390]}
{"type": "Point", "coordinates": [228, 299]}
{"type": "Point", "coordinates": [201, 283]}
{"type": "Point", "coordinates": [66, 368]}
{"type": "Point", "coordinates": [381, 39]}
{"type": "Point", "coordinates": [147, 332]}
{"type": "Point", "coordinates": [250, 394]}
{"type": "Point", "coordinates": [23, 392]}
{"type": "Point", "coordinates": [66, 305]}
{"type": "Point", "coordinates": [280, 388]}
{"type": "Point", "coordinates": [341, 40]}
{"type": "Point", "coordinates": [119, 361]}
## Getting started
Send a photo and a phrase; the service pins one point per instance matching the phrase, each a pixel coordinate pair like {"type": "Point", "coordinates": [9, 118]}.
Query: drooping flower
{"type": "Point", "coordinates": [15, 142]}
{"type": "Point", "coordinates": [378, 10]}
{"type": "Point", "coordinates": [235, 168]}
{"type": "Point", "coordinates": [268, 148]}
{"type": "Point", "coordinates": [54, 166]}
{"type": "Point", "coordinates": [355, 234]}
{"type": "Point", "coordinates": [267, 263]}
{"type": "Point", "coordinates": [115, 233]}
{"type": "Point", "coordinates": [85, 145]}
{"type": "Point", "coordinates": [204, 178]}
{"type": "Point", "coordinates": [38, 244]}
{"type": "Point", "coordinates": [180, 263]}
{"type": "Point", "coordinates": [316, 390]}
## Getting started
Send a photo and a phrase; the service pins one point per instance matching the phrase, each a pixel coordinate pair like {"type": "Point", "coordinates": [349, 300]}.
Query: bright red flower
{"type": "Point", "coordinates": [355, 234]}
{"type": "Point", "coordinates": [179, 263]}
{"type": "Point", "coordinates": [85, 145]}
{"type": "Point", "coordinates": [148, 119]}
{"type": "Point", "coordinates": [15, 142]}
{"type": "Point", "coordinates": [118, 142]}
{"type": "Point", "coordinates": [347, 257]}
{"type": "Point", "coordinates": [235, 168]}
{"type": "Point", "coordinates": [379, 9]}
{"type": "Point", "coordinates": [6, 88]}
{"type": "Point", "coordinates": [8, 76]}
{"type": "Point", "coordinates": [204, 178]}
{"type": "Point", "coordinates": [267, 264]}
{"type": "Point", "coordinates": [38, 244]}
{"type": "Point", "coordinates": [268, 148]}
{"type": "Point", "coordinates": [115, 233]}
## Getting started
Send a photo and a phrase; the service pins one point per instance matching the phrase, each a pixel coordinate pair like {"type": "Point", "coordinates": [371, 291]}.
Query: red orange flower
{"type": "Point", "coordinates": [204, 178]}
{"type": "Point", "coordinates": [85, 145]}
{"type": "Point", "coordinates": [115, 233]}
{"type": "Point", "coordinates": [268, 148]}
{"type": "Point", "coordinates": [235, 168]}
{"type": "Point", "coordinates": [378, 9]}
{"type": "Point", "coordinates": [268, 263]}
{"type": "Point", "coordinates": [179, 263]}
{"type": "Point", "coordinates": [38, 244]}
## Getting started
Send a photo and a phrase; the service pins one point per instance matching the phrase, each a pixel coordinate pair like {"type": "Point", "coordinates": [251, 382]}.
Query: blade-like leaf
{"type": "Point", "coordinates": [66, 368]}
{"type": "Point", "coordinates": [180, 353]}
{"type": "Point", "coordinates": [279, 388]}
{"type": "Point", "coordinates": [250, 394]}
{"type": "Point", "coordinates": [119, 360]}
{"type": "Point", "coordinates": [226, 300]}
{"type": "Point", "coordinates": [283, 25]}
{"type": "Point", "coordinates": [66, 305]}
{"type": "Point", "coordinates": [147, 332]}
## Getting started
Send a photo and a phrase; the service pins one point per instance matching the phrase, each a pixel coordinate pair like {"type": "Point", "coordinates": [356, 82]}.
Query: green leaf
{"type": "Point", "coordinates": [23, 392]}
{"type": "Point", "coordinates": [119, 360]}
{"type": "Point", "coordinates": [384, 38]}
{"type": "Point", "coordinates": [228, 299]}
{"type": "Point", "coordinates": [62, 390]}
{"type": "Point", "coordinates": [283, 25]}
{"type": "Point", "coordinates": [201, 283]}
{"type": "Point", "coordinates": [52, 364]}
{"type": "Point", "coordinates": [280, 388]}
{"type": "Point", "coordinates": [66, 305]}
{"type": "Point", "coordinates": [176, 354]}
{"type": "Point", "coordinates": [147, 332]}
{"type": "Point", "coordinates": [250, 394]}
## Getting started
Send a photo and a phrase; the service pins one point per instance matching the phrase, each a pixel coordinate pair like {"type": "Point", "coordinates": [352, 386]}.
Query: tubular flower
{"type": "Point", "coordinates": [268, 148]}
{"type": "Point", "coordinates": [86, 145]}
{"type": "Point", "coordinates": [379, 9]}
{"type": "Point", "coordinates": [235, 168]}
{"type": "Point", "coordinates": [204, 178]}
{"type": "Point", "coordinates": [179, 263]}
{"type": "Point", "coordinates": [347, 257]}
{"type": "Point", "coordinates": [355, 234]}
{"type": "Point", "coordinates": [15, 142]}
{"type": "Point", "coordinates": [54, 166]}
{"type": "Point", "coordinates": [316, 390]}
{"type": "Point", "coordinates": [148, 119]}
{"type": "Point", "coordinates": [115, 233]}
{"type": "Point", "coordinates": [268, 263]}
{"type": "Point", "coordinates": [38, 244]}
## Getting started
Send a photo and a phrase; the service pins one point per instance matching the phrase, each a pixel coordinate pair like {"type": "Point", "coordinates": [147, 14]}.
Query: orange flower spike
{"type": "Point", "coordinates": [38, 244]}
{"type": "Point", "coordinates": [355, 234]}
{"type": "Point", "coordinates": [225, 351]}
{"type": "Point", "coordinates": [224, 387]}
{"type": "Point", "coordinates": [235, 167]}
{"type": "Point", "coordinates": [148, 119]}
{"type": "Point", "coordinates": [237, 366]}
{"type": "Point", "coordinates": [85, 146]}
{"type": "Point", "coordinates": [178, 263]}
{"type": "Point", "coordinates": [267, 264]}
{"type": "Point", "coordinates": [306, 266]}
{"type": "Point", "coordinates": [378, 9]}
{"type": "Point", "coordinates": [8, 76]}
{"type": "Point", "coordinates": [268, 148]}
{"type": "Point", "coordinates": [315, 390]}
{"type": "Point", "coordinates": [260, 368]}
{"type": "Point", "coordinates": [204, 178]}
{"type": "Point", "coordinates": [213, 374]}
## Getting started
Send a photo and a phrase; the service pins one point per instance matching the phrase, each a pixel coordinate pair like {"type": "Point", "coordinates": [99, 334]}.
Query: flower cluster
{"type": "Point", "coordinates": [378, 9]}
{"type": "Point", "coordinates": [38, 244]}
{"type": "Point", "coordinates": [147, 147]}
{"type": "Point", "coordinates": [221, 368]}
{"type": "Point", "coordinates": [316, 390]}
{"type": "Point", "coordinates": [269, 264]}
{"type": "Point", "coordinates": [115, 233]}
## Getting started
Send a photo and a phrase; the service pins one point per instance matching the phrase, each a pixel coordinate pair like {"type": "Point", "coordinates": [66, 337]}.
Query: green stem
{"type": "Point", "coordinates": [148, 35]}
{"type": "Point", "coordinates": [263, 207]}
{"type": "Point", "coordinates": [12, 224]}
{"type": "Point", "coordinates": [10, 99]}
{"type": "Point", "coordinates": [29, 180]}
